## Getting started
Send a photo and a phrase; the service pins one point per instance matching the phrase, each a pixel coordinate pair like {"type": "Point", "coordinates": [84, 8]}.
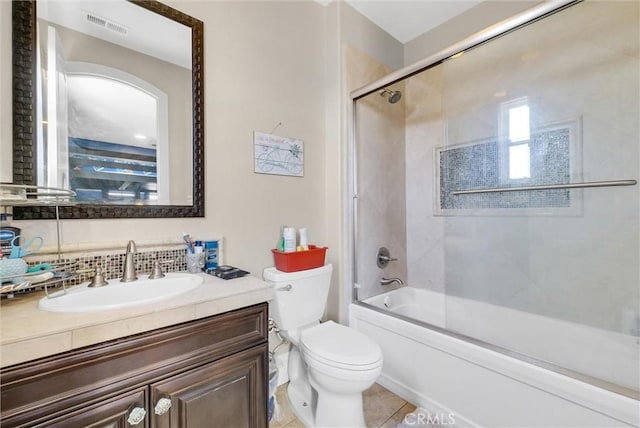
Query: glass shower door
{"type": "Point", "coordinates": [549, 270]}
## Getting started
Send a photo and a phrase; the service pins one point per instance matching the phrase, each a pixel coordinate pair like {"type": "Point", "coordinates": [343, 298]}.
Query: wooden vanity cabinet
{"type": "Point", "coordinates": [212, 395]}
{"type": "Point", "coordinates": [111, 412]}
{"type": "Point", "coordinates": [206, 373]}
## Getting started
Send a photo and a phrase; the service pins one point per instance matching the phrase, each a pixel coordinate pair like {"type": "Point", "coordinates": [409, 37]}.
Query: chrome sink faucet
{"type": "Point", "coordinates": [129, 267]}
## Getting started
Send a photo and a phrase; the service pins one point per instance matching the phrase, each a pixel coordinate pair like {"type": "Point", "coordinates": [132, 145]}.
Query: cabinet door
{"type": "Point", "coordinates": [228, 393]}
{"type": "Point", "coordinates": [122, 411]}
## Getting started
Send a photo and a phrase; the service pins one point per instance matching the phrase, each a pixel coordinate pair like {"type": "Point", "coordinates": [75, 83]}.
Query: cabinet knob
{"type": "Point", "coordinates": [136, 416]}
{"type": "Point", "coordinates": [163, 406]}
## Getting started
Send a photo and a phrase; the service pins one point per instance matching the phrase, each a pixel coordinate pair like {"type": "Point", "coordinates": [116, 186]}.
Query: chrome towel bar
{"type": "Point", "coordinates": [550, 186]}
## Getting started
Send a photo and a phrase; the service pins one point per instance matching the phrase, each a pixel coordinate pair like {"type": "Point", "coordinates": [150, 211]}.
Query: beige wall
{"type": "Point", "coordinates": [464, 25]}
{"type": "Point", "coordinates": [359, 32]}
{"type": "Point", "coordinates": [264, 64]}
{"type": "Point", "coordinates": [334, 159]}
{"type": "Point", "coordinates": [6, 128]}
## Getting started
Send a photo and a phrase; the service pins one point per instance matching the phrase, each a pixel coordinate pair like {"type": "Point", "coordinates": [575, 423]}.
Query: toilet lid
{"type": "Point", "coordinates": [340, 346]}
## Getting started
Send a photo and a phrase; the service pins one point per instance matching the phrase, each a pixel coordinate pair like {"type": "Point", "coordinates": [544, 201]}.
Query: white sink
{"type": "Point", "coordinates": [118, 294]}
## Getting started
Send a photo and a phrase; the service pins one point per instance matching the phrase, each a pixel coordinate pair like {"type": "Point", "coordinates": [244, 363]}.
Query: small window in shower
{"type": "Point", "coordinates": [519, 156]}
{"type": "Point", "coordinates": [515, 115]}
{"type": "Point", "coordinates": [519, 161]}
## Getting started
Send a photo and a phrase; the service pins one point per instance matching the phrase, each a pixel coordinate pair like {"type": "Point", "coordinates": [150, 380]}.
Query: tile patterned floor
{"type": "Point", "coordinates": [382, 409]}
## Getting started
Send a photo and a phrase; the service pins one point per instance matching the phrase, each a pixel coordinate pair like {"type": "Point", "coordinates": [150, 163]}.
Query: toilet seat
{"type": "Point", "coordinates": [340, 347]}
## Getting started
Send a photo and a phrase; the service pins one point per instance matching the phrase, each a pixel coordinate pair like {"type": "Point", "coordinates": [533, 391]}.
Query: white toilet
{"type": "Point", "coordinates": [329, 364]}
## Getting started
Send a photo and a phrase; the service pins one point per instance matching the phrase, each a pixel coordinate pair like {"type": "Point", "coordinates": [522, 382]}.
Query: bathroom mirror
{"type": "Point", "coordinates": [109, 104]}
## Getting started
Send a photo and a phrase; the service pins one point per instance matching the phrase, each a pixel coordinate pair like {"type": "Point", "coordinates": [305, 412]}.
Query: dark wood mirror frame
{"type": "Point", "coordinates": [24, 108]}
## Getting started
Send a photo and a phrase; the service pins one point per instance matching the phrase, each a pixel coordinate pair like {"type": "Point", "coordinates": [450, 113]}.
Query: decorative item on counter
{"type": "Point", "coordinates": [7, 233]}
{"type": "Point", "coordinates": [195, 262]}
{"type": "Point", "coordinates": [41, 277]}
{"type": "Point", "coordinates": [227, 272]}
{"type": "Point", "coordinates": [39, 268]}
{"type": "Point", "coordinates": [18, 251]}
{"type": "Point", "coordinates": [10, 268]}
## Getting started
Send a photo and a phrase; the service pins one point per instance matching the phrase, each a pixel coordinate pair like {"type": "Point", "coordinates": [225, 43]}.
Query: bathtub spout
{"type": "Point", "coordinates": [389, 281]}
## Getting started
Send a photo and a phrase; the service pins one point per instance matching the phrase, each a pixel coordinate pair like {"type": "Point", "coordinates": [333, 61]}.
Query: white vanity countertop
{"type": "Point", "coordinates": [28, 333]}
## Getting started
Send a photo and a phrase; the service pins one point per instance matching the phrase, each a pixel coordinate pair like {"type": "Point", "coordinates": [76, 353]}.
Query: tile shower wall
{"type": "Point", "coordinates": [381, 202]}
{"type": "Point", "coordinates": [583, 267]}
{"type": "Point", "coordinates": [424, 132]}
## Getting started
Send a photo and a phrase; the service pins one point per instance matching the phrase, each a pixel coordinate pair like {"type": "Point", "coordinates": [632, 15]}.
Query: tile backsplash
{"type": "Point", "coordinates": [171, 257]}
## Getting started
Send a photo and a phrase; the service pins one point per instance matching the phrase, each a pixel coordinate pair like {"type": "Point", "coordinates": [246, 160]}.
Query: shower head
{"type": "Point", "coordinates": [394, 96]}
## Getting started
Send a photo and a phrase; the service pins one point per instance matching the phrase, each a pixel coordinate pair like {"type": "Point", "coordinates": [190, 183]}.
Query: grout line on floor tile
{"type": "Point", "coordinates": [287, 418]}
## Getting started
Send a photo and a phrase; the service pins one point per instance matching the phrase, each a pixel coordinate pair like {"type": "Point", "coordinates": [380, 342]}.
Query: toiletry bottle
{"type": "Point", "coordinates": [211, 254]}
{"type": "Point", "coordinates": [7, 233]}
{"type": "Point", "coordinates": [280, 246]}
{"type": "Point", "coordinates": [304, 240]}
{"type": "Point", "coordinates": [289, 239]}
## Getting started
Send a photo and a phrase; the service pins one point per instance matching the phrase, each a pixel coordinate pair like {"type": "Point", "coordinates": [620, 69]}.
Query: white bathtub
{"type": "Point", "coordinates": [482, 387]}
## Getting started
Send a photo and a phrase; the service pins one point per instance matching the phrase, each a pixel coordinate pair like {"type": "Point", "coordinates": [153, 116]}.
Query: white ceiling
{"type": "Point", "coordinates": [402, 19]}
{"type": "Point", "coordinates": [149, 33]}
{"type": "Point", "coordinates": [97, 111]}
{"type": "Point", "coordinates": [407, 19]}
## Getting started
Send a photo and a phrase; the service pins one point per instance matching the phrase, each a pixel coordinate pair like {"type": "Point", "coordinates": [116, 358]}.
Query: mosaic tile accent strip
{"type": "Point", "coordinates": [111, 263]}
{"type": "Point", "coordinates": [478, 166]}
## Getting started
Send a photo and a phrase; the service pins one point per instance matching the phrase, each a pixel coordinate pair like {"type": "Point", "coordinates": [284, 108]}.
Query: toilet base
{"type": "Point", "coordinates": [300, 405]}
{"type": "Point", "coordinates": [338, 410]}
{"type": "Point", "coordinates": [302, 398]}
{"type": "Point", "coordinates": [316, 407]}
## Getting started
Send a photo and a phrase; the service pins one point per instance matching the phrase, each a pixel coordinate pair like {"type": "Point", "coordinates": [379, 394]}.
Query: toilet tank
{"type": "Point", "coordinates": [300, 297]}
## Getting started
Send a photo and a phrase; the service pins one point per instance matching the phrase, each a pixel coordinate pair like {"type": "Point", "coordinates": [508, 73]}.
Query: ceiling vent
{"type": "Point", "coordinates": [105, 23]}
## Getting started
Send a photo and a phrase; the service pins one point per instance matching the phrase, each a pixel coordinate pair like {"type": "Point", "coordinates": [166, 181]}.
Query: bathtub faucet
{"type": "Point", "coordinates": [389, 281]}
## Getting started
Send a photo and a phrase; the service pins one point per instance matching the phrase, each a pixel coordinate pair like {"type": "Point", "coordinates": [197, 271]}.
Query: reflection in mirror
{"type": "Point", "coordinates": [118, 116]}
